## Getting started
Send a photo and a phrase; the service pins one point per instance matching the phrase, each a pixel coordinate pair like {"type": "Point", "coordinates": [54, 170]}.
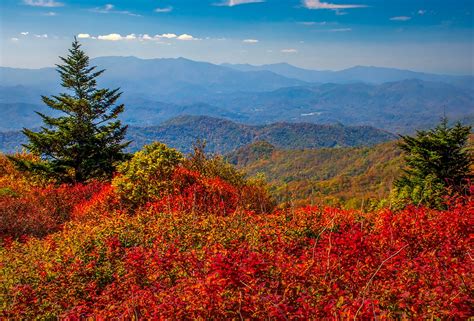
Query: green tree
{"type": "Point", "coordinates": [86, 140]}
{"type": "Point", "coordinates": [437, 164]}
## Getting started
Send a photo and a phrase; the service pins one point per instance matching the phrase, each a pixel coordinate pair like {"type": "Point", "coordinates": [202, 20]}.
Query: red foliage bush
{"type": "Point", "coordinates": [195, 193]}
{"type": "Point", "coordinates": [307, 263]}
{"type": "Point", "coordinates": [40, 211]}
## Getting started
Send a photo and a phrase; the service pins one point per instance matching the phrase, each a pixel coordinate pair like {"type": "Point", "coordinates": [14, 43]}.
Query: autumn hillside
{"type": "Point", "coordinates": [352, 177]}
{"type": "Point", "coordinates": [89, 231]}
{"type": "Point", "coordinates": [176, 238]}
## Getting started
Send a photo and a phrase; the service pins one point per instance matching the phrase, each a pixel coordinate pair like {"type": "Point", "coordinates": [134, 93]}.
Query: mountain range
{"type": "Point", "coordinates": [365, 74]}
{"type": "Point", "coordinates": [156, 90]}
{"type": "Point", "coordinates": [224, 136]}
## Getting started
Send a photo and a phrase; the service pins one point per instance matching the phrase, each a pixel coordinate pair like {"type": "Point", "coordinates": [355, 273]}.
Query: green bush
{"type": "Point", "coordinates": [148, 174]}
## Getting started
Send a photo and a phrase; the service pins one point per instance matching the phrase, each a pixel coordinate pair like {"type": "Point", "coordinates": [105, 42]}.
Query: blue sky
{"type": "Point", "coordinates": [425, 35]}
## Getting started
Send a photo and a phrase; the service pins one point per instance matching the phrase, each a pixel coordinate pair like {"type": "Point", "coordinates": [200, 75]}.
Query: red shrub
{"type": "Point", "coordinates": [40, 211]}
{"type": "Point", "coordinates": [195, 193]}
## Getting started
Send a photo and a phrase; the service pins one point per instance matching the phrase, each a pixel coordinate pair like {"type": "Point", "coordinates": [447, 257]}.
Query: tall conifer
{"type": "Point", "coordinates": [86, 140]}
{"type": "Point", "coordinates": [438, 163]}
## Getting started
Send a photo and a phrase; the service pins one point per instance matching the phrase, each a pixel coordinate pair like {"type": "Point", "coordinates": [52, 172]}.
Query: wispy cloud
{"type": "Point", "coordinates": [44, 36]}
{"type": "Point", "coordinates": [231, 3]}
{"type": "Point", "coordinates": [400, 18]}
{"type": "Point", "coordinates": [43, 3]}
{"type": "Point", "coordinates": [421, 12]}
{"type": "Point", "coordinates": [289, 50]}
{"type": "Point", "coordinates": [250, 41]}
{"type": "Point", "coordinates": [313, 23]}
{"type": "Point", "coordinates": [340, 30]}
{"type": "Point", "coordinates": [110, 8]}
{"type": "Point", "coordinates": [164, 10]}
{"type": "Point", "coordinates": [50, 14]}
{"type": "Point", "coordinates": [24, 33]}
{"type": "Point", "coordinates": [14, 39]}
{"type": "Point", "coordinates": [317, 4]}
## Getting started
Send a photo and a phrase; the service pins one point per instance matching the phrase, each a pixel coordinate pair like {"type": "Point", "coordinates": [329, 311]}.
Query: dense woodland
{"type": "Point", "coordinates": [89, 231]}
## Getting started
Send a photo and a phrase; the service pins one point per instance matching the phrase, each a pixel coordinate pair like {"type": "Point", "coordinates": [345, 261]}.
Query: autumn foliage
{"type": "Point", "coordinates": [199, 250]}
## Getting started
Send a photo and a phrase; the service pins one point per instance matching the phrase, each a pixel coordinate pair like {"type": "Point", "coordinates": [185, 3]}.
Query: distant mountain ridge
{"type": "Point", "coordinates": [155, 90]}
{"type": "Point", "coordinates": [365, 74]}
{"type": "Point", "coordinates": [399, 107]}
{"type": "Point", "coordinates": [165, 79]}
{"type": "Point", "coordinates": [224, 136]}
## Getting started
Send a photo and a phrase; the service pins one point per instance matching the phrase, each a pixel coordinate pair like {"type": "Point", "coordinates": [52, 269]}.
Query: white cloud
{"type": "Point", "coordinates": [400, 18]}
{"type": "Point", "coordinates": [144, 37]}
{"type": "Point", "coordinates": [24, 33]}
{"type": "Point", "coordinates": [110, 8]}
{"type": "Point", "coordinates": [164, 10]}
{"type": "Point", "coordinates": [167, 36]}
{"type": "Point", "coordinates": [289, 50]}
{"type": "Point", "coordinates": [14, 39]}
{"type": "Point", "coordinates": [231, 3]}
{"type": "Point", "coordinates": [43, 3]}
{"type": "Point", "coordinates": [111, 37]}
{"type": "Point", "coordinates": [186, 37]}
{"type": "Point", "coordinates": [250, 41]}
{"type": "Point", "coordinates": [317, 4]}
{"type": "Point", "coordinates": [42, 36]}
{"type": "Point", "coordinates": [421, 12]}
{"type": "Point", "coordinates": [50, 14]}
{"type": "Point", "coordinates": [83, 36]}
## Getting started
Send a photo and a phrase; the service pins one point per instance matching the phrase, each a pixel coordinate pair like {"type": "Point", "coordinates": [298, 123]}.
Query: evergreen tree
{"type": "Point", "coordinates": [437, 164]}
{"type": "Point", "coordinates": [86, 140]}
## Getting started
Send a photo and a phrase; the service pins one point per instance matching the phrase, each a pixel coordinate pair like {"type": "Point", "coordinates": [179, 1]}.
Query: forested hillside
{"type": "Point", "coordinates": [351, 177]}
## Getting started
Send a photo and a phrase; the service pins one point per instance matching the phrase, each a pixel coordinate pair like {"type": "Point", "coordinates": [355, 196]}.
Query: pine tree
{"type": "Point", "coordinates": [86, 140]}
{"type": "Point", "coordinates": [437, 164]}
